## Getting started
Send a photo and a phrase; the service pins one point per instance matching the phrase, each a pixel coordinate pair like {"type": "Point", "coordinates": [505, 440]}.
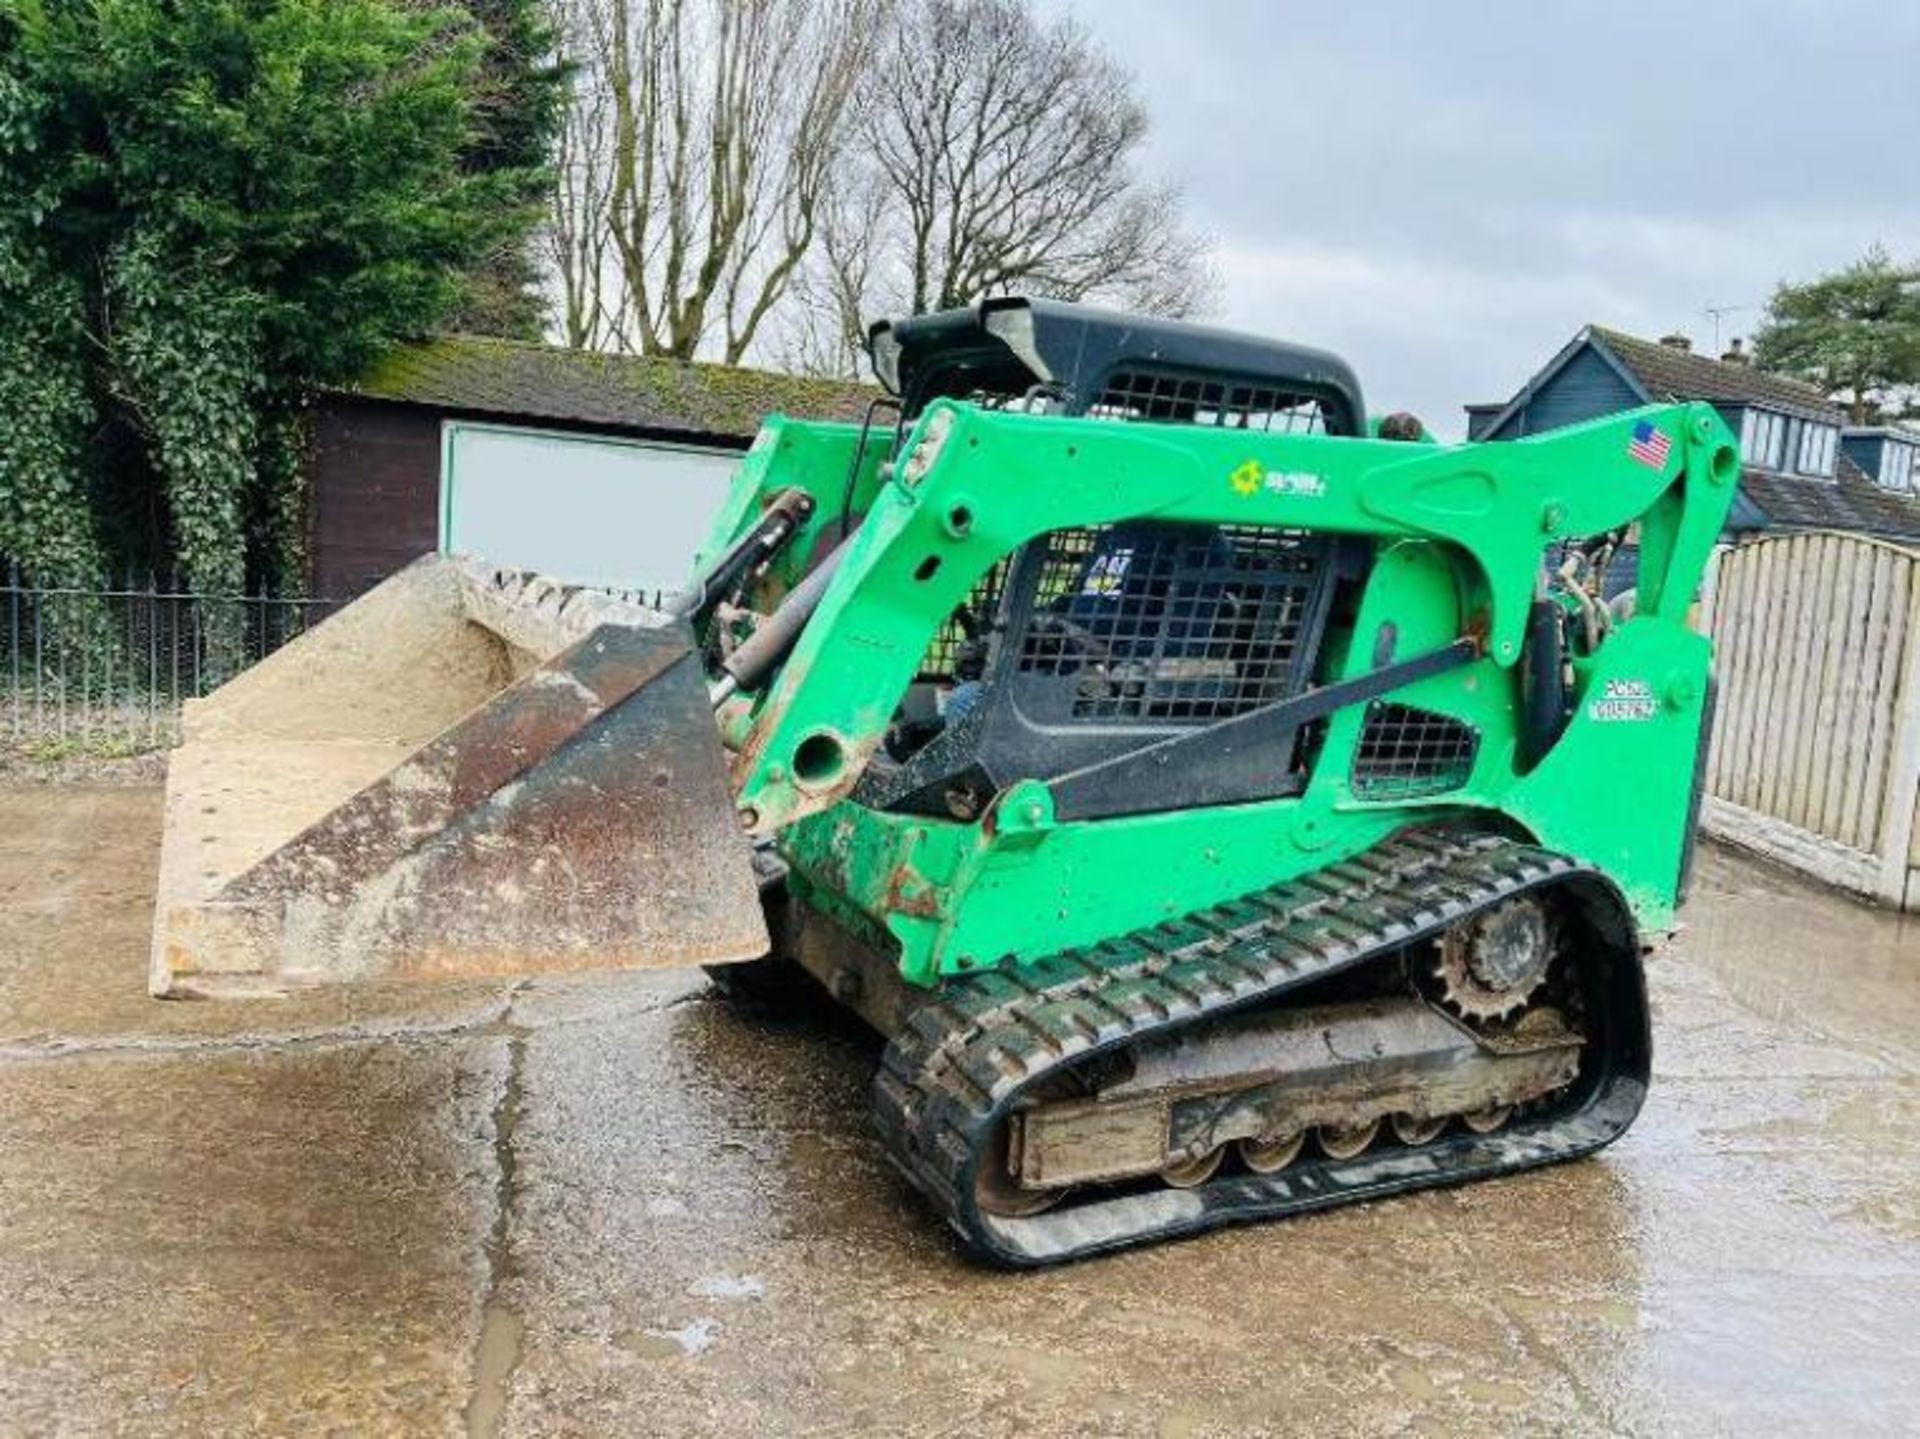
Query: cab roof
{"type": "Point", "coordinates": [1016, 346]}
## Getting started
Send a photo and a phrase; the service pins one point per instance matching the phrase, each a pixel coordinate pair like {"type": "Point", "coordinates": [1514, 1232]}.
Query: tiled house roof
{"type": "Point", "coordinates": [1850, 501]}
{"type": "Point", "coordinates": [506, 377]}
{"type": "Point", "coordinates": [1667, 373]}
{"type": "Point", "coordinates": [1616, 371]}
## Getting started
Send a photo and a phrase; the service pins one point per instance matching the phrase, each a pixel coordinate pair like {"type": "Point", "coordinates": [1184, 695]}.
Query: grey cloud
{"type": "Point", "coordinates": [1447, 191]}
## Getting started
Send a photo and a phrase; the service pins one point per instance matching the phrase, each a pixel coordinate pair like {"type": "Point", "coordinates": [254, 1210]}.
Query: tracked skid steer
{"type": "Point", "coordinates": [1225, 806]}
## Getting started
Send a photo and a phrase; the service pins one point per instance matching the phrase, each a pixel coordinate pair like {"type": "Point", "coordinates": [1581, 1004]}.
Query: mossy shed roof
{"type": "Point", "coordinates": [511, 378]}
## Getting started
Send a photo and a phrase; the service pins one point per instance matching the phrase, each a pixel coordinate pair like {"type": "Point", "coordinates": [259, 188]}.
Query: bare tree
{"type": "Point", "coordinates": [763, 176]}
{"type": "Point", "coordinates": [835, 293]}
{"type": "Point", "coordinates": [700, 149]}
{"type": "Point", "coordinates": [1008, 147]}
{"type": "Point", "coordinates": [999, 156]}
{"type": "Point", "coordinates": [579, 231]}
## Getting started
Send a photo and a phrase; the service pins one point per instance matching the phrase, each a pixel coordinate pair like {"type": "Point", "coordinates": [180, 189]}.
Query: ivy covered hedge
{"type": "Point", "coordinates": [208, 209]}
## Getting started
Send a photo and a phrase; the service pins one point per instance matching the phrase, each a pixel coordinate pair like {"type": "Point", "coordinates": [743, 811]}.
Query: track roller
{"type": "Point", "coordinates": [1270, 1156]}
{"type": "Point", "coordinates": [1187, 1173]}
{"type": "Point", "coordinates": [1347, 1141]}
{"type": "Point", "coordinates": [1416, 1132]}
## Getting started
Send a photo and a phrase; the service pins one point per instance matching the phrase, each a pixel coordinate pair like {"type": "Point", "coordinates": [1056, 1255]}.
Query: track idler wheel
{"type": "Point", "coordinates": [996, 1191]}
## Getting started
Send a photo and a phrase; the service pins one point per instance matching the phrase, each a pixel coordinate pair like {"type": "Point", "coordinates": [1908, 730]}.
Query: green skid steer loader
{"type": "Point", "coordinates": [1225, 807]}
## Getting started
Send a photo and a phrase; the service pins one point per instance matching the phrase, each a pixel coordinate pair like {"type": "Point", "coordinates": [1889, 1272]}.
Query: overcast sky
{"type": "Point", "coordinates": [1446, 192]}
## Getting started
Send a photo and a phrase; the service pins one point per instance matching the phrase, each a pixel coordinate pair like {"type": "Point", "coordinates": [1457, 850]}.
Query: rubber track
{"type": "Point", "coordinates": [962, 1060]}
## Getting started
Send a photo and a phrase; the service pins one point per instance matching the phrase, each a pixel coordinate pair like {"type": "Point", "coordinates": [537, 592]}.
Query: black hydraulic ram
{"type": "Point", "coordinates": [781, 521]}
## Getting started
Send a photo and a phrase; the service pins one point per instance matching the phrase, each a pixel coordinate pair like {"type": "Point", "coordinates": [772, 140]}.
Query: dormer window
{"type": "Point", "coordinates": [1763, 439]}
{"type": "Point", "coordinates": [1889, 454]}
{"type": "Point", "coordinates": [1897, 466]}
{"type": "Point", "coordinates": [1816, 449]}
{"type": "Point", "coordinates": [1772, 441]}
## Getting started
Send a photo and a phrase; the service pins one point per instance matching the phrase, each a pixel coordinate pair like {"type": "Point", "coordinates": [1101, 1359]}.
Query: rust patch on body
{"type": "Point", "coordinates": [908, 893]}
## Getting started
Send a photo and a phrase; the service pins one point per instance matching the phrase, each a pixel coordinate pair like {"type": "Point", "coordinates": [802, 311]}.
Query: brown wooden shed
{"type": "Point", "coordinates": [543, 437]}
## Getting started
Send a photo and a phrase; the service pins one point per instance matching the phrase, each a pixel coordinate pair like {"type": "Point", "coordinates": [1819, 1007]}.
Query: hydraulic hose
{"type": "Point", "coordinates": [748, 667]}
{"type": "Point", "coordinates": [1543, 684]}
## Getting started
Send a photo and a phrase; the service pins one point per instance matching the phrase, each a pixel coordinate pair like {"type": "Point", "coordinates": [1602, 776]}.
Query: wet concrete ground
{"type": "Point", "coordinates": [616, 1206]}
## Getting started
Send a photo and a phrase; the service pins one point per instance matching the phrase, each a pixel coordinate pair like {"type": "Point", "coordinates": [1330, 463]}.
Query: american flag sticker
{"type": "Point", "coordinates": [1650, 446]}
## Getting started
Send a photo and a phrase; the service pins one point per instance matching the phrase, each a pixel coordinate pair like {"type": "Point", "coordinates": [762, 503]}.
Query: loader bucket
{"type": "Point", "coordinates": [465, 772]}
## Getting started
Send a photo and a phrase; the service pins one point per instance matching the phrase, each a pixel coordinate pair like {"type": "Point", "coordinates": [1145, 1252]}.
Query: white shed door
{"type": "Point", "coordinates": [622, 513]}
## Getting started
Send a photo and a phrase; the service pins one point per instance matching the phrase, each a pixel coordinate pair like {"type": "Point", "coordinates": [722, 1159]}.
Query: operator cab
{"type": "Point", "coordinates": [1095, 642]}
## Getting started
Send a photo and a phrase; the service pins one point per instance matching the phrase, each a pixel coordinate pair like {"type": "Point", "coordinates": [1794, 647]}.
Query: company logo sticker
{"type": "Point", "coordinates": [1252, 477]}
{"type": "Point", "coordinates": [1107, 575]}
{"type": "Point", "coordinates": [1297, 482]}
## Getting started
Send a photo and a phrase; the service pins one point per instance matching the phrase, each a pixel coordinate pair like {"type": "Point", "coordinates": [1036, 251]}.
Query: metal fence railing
{"type": "Point", "coordinates": [110, 666]}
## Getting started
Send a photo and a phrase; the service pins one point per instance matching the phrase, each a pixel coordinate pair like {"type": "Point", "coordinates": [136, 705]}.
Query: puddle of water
{"type": "Point", "coordinates": [1790, 953]}
{"type": "Point", "coordinates": [1425, 1386]}
{"type": "Point", "coordinates": [689, 1341]}
{"type": "Point", "coordinates": [501, 1333]}
{"type": "Point", "coordinates": [728, 1286]}
{"type": "Point", "coordinates": [1047, 1371]}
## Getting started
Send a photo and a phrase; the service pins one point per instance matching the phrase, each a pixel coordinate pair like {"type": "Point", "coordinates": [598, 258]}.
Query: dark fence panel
{"type": "Point", "coordinates": [111, 666]}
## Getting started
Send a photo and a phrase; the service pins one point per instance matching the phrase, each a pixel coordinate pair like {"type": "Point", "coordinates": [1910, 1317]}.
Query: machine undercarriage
{"type": "Point", "coordinates": [1302, 1047]}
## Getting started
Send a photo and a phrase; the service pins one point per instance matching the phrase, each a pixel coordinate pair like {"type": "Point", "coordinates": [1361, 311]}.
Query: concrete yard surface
{"type": "Point", "coordinates": [614, 1205]}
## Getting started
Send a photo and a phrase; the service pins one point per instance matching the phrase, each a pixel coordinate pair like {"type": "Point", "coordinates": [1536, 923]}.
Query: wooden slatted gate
{"type": "Point", "coordinates": [1816, 740]}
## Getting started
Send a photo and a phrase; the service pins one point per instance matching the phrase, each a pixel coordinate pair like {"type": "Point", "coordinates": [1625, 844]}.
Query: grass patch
{"type": "Point", "coordinates": [53, 750]}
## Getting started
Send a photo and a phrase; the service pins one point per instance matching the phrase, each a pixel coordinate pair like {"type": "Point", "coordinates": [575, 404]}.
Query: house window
{"type": "Point", "coordinates": [1817, 445]}
{"type": "Point", "coordinates": [1896, 467]}
{"type": "Point", "coordinates": [1763, 439]}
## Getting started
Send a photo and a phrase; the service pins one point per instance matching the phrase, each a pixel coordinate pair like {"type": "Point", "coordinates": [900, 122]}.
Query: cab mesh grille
{"type": "Point", "coordinates": [1181, 624]}
{"type": "Point", "coordinates": [1170, 397]}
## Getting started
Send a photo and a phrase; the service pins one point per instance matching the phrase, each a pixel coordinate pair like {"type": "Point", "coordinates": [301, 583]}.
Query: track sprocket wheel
{"type": "Point", "coordinates": [1489, 966]}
